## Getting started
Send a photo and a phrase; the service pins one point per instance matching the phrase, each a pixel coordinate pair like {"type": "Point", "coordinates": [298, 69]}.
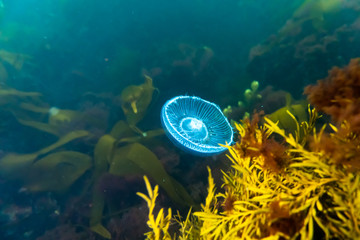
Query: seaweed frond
{"type": "Point", "coordinates": [338, 95]}
{"type": "Point", "coordinates": [189, 228]}
{"type": "Point", "coordinates": [160, 224]}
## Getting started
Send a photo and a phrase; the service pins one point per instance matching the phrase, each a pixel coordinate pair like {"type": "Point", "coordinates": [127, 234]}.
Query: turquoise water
{"type": "Point", "coordinates": [82, 84]}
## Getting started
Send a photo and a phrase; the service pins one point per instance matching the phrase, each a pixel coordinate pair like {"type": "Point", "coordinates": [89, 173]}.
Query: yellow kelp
{"type": "Point", "coordinates": [135, 100]}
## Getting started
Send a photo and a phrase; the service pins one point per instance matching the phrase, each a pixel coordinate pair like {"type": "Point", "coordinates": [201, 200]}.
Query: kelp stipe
{"type": "Point", "coordinates": [196, 125]}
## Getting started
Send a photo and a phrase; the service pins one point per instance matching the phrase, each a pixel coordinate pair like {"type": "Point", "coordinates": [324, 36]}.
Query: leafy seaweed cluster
{"type": "Point", "coordinates": [339, 94]}
{"type": "Point", "coordinates": [274, 190]}
{"type": "Point", "coordinates": [301, 185]}
{"type": "Point", "coordinates": [160, 224]}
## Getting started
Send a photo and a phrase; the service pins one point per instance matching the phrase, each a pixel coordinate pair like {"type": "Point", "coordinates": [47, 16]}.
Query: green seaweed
{"type": "Point", "coordinates": [289, 122]}
{"type": "Point", "coordinates": [44, 127]}
{"type": "Point", "coordinates": [121, 130]}
{"type": "Point", "coordinates": [135, 100]}
{"type": "Point", "coordinates": [121, 152]}
{"type": "Point", "coordinates": [102, 158]}
{"type": "Point", "coordinates": [137, 159]}
{"type": "Point", "coordinates": [133, 158]}
{"type": "Point", "coordinates": [59, 117]}
{"type": "Point", "coordinates": [13, 165]}
{"type": "Point", "coordinates": [57, 171]}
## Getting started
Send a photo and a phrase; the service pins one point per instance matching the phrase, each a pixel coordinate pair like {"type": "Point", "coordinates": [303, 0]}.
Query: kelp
{"type": "Point", "coordinates": [145, 136]}
{"type": "Point", "coordinates": [34, 108]}
{"type": "Point", "coordinates": [137, 159]}
{"type": "Point", "coordinates": [121, 152]}
{"type": "Point", "coordinates": [59, 117]}
{"type": "Point", "coordinates": [125, 134]}
{"type": "Point", "coordinates": [57, 123]}
{"type": "Point", "coordinates": [12, 96]}
{"type": "Point", "coordinates": [122, 130]}
{"type": "Point", "coordinates": [29, 110]}
{"type": "Point", "coordinates": [56, 172]}
{"type": "Point", "coordinates": [285, 120]}
{"type": "Point", "coordinates": [45, 169]}
{"type": "Point", "coordinates": [135, 100]}
{"type": "Point", "coordinates": [102, 158]}
{"type": "Point", "coordinates": [16, 60]}
{"type": "Point", "coordinates": [13, 165]}
{"type": "Point", "coordinates": [44, 127]}
{"type": "Point", "coordinates": [126, 156]}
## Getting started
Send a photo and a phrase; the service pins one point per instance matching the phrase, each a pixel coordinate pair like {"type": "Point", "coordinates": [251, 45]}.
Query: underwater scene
{"type": "Point", "coordinates": [182, 119]}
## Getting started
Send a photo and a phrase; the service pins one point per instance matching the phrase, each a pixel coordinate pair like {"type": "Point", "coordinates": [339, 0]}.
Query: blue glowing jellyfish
{"type": "Point", "coordinates": [196, 125]}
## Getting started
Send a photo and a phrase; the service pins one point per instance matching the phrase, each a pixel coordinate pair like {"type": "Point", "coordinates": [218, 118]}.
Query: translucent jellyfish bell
{"type": "Point", "coordinates": [196, 125]}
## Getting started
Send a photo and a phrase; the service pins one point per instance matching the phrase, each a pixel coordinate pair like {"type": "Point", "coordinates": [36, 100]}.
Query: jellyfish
{"type": "Point", "coordinates": [196, 126]}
